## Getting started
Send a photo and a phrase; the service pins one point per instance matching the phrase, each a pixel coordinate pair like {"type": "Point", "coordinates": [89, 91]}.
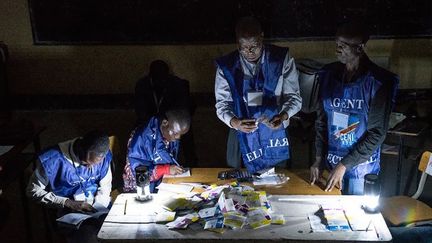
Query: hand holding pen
{"type": "Point", "coordinates": [176, 168]}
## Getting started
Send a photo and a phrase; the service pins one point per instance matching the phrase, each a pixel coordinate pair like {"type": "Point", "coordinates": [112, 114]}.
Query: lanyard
{"type": "Point", "coordinates": [81, 179]}
{"type": "Point", "coordinates": [157, 102]}
{"type": "Point", "coordinates": [257, 79]}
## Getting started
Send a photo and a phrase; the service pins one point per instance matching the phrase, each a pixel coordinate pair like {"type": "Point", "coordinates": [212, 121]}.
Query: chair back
{"type": "Point", "coordinates": [308, 83]}
{"type": "Point", "coordinates": [425, 166]}
{"type": "Point", "coordinates": [115, 150]}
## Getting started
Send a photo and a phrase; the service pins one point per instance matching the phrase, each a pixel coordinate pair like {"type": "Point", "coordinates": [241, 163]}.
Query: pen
{"type": "Point", "coordinates": [175, 162]}
{"type": "Point", "coordinates": [376, 231]}
{"type": "Point", "coordinates": [125, 207]}
{"type": "Point", "coordinates": [367, 228]}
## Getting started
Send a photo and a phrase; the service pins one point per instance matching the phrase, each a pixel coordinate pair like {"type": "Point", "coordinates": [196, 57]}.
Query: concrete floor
{"type": "Point", "coordinates": [210, 145]}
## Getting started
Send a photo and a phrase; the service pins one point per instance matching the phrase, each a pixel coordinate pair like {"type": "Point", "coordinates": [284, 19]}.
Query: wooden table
{"type": "Point", "coordinates": [296, 228]}
{"type": "Point", "coordinates": [406, 128]}
{"type": "Point", "coordinates": [298, 183]}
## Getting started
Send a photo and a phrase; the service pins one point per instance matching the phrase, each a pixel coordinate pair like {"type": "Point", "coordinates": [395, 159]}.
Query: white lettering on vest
{"type": "Point", "coordinates": [254, 155]}
{"type": "Point", "coordinates": [347, 139]}
{"type": "Point", "coordinates": [278, 143]}
{"type": "Point", "coordinates": [347, 103]}
{"type": "Point", "coordinates": [157, 157]}
{"type": "Point", "coordinates": [334, 159]}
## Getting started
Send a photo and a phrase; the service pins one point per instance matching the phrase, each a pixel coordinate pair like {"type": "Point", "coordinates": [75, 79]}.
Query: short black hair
{"type": "Point", "coordinates": [96, 142]}
{"type": "Point", "coordinates": [159, 69]}
{"type": "Point", "coordinates": [354, 28]}
{"type": "Point", "coordinates": [182, 116]}
{"type": "Point", "coordinates": [248, 27]}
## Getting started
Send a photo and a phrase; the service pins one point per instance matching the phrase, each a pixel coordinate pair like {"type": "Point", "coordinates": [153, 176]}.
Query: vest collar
{"type": "Point", "coordinates": [67, 150]}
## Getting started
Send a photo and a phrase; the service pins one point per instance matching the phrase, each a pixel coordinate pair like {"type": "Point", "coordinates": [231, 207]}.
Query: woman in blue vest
{"type": "Point", "coordinates": [74, 174]}
{"type": "Point", "coordinates": [356, 98]}
{"type": "Point", "coordinates": [257, 91]}
{"type": "Point", "coordinates": [155, 146]}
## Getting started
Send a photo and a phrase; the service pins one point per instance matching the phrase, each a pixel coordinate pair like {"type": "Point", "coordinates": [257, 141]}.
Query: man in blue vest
{"type": "Point", "coordinates": [256, 91]}
{"type": "Point", "coordinates": [74, 174]}
{"type": "Point", "coordinates": [156, 146]}
{"type": "Point", "coordinates": [356, 98]}
{"type": "Point", "coordinates": [161, 91]}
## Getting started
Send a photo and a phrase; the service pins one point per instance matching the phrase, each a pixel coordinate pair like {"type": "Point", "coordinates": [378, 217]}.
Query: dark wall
{"type": "Point", "coordinates": [204, 21]}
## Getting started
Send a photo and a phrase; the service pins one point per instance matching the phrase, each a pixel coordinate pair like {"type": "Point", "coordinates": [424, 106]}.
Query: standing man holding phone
{"type": "Point", "coordinates": [256, 91]}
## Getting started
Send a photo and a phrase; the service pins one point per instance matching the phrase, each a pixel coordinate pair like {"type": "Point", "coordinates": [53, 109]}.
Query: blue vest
{"type": "Point", "coordinates": [265, 147]}
{"type": "Point", "coordinates": [347, 106]}
{"type": "Point", "coordinates": [147, 148]}
{"type": "Point", "coordinates": [67, 180]}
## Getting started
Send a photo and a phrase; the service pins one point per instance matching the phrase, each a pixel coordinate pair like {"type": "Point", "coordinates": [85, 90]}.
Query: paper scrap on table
{"type": "Point", "coordinates": [316, 223]}
{"type": "Point", "coordinates": [258, 218]}
{"type": "Point", "coordinates": [234, 220]}
{"type": "Point", "coordinates": [207, 212]}
{"type": "Point", "coordinates": [336, 220]}
{"type": "Point", "coordinates": [225, 205]}
{"type": "Point", "coordinates": [275, 179]}
{"type": "Point", "coordinates": [215, 225]}
{"type": "Point", "coordinates": [277, 219]}
{"type": "Point", "coordinates": [183, 222]}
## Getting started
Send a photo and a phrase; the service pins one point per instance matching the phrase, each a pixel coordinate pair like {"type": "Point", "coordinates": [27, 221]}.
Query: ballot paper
{"type": "Point", "coordinates": [277, 219]}
{"type": "Point", "coordinates": [186, 173]}
{"type": "Point", "coordinates": [75, 220]}
{"type": "Point", "coordinates": [358, 219]}
{"type": "Point", "coordinates": [258, 218]}
{"type": "Point", "coordinates": [215, 224]}
{"type": "Point", "coordinates": [316, 223]}
{"type": "Point", "coordinates": [175, 188]}
{"type": "Point", "coordinates": [183, 222]}
{"type": "Point", "coordinates": [225, 205]}
{"type": "Point", "coordinates": [207, 212]}
{"type": "Point", "coordinates": [234, 220]}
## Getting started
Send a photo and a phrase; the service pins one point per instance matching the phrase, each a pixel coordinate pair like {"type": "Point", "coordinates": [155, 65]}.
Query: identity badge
{"type": "Point", "coordinates": [80, 196]}
{"type": "Point", "coordinates": [254, 98]}
{"type": "Point", "coordinates": [340, 120]}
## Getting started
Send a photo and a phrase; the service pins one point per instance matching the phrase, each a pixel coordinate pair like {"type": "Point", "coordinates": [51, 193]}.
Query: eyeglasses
{"type": "Point", "coordinates": [253, 48]}
{"type": "Point", "coordinates": [346, 45]}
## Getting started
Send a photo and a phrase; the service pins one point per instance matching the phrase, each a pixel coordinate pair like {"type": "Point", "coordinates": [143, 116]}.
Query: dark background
{"type": "Point", "coordinates": [204, 21]}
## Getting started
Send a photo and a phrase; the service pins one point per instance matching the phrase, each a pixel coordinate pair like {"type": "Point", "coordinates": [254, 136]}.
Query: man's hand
{"type": "Point", "coordinates": [276, 121]}
{"type": "Point", "coordinates": [175, 170]}
{"type": "Point", "coordinates": [245, 125]}
{"type": "Point", "coordinates": [336, 177]}
{"type": "Point", "coordinates": [79, 206]}
{"type": "Point", "coordinates": [315, 173]}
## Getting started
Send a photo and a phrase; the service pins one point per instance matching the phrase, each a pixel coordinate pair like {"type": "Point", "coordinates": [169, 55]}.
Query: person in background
{"type": "Point", "coordinates": [257, 91]}
{"type": "Point", "coordinates": [355, 101]}
{"type": "Point", "coordinates": [159, 92]}
{"type": "Point", "coordinates": [156, 146]}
